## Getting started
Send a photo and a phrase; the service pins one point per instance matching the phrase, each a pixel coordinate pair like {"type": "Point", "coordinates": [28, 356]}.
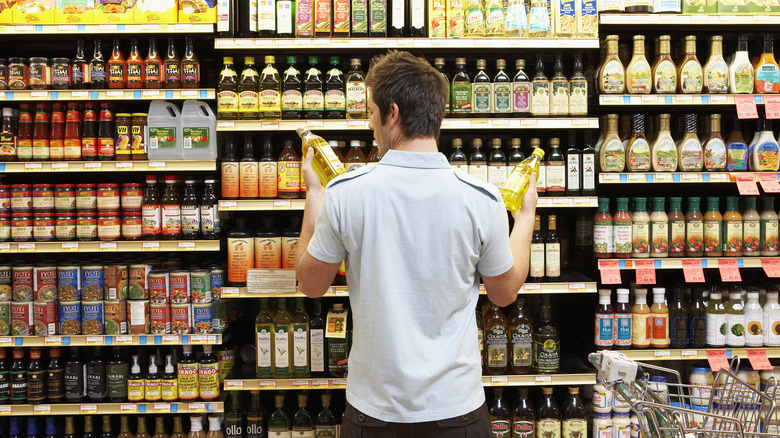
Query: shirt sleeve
{"type": "Point", "coordinates": [495, 256]}
{"type": "Point", "coordinates": [326, 244]}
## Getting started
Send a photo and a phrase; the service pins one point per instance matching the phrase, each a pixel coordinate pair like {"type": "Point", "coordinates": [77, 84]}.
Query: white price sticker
{"type": "Point", "coordinates": [151, 246]}
{"type": "Point", "coordinates": [543, 379]}
{"type": "Point", "coordinates": [90, 165]}
{"type": "Point", "coordinates": [60, 166]}
{"type": "Point", "coordinates": [79, 94]}
{"type": "Point", "coordinates": [32, 166]}
{"type": "Point", "coordinates": [499, 380]}
{"type": "Point", "coordinates": [125, 165]}
{"type": "Point", "coordinates": [662, 353]}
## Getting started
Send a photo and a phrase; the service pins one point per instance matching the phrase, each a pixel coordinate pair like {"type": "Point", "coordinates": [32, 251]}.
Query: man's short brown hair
{"type": "Point", "coordinates": [418, 89]}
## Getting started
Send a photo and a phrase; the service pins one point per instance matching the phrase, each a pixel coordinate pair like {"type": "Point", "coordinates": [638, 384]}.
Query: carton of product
{"type": "Point", "coordinates": [114, 11]}
{"type": "Point", "coordinates": [733, 6]}
{"type": "Point", "coordinates": [6, 8]}
{"type": "Point", "coordinates": [33, 12]}
{"type": "Point", "coordinates": [156, 11]}
{"type": "Point", "coordinates": [699, 6]}
{"type": "Point", "coordinates": [74, 11]}
{"type": "Point", "coordinates": [764, 6]}
{"type": "Point", "coordinates": [197, 11]}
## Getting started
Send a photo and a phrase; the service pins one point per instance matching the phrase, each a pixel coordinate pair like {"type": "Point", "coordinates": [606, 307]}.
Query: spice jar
{"type": "Point", "coordinates": [43, 197]}
{"type": "Point", "coordinates": [138, 139]}
{"type": "Point", "coordinates": [3, 74]}
{"type": "Point", "coordinates": [65, 197]}
{"type": "Point", "coordinates": [5, 197]}
{"type": "Point", "coordinates": [21, 226]}
{"type": "Point", "coordinates": [65, 228]}
{"type": "Point", "coordinates": [132, 196]}
{"type": "Point", "coordinates": [108, 197]}
{"type": "Point", "coordinates": [123, 137]}
{"type": "Point", "coordinates": [17, 74]}
{"type": "Point", "coordinates": [60, 73]}
{"type": "Point", "coordinates": [21, 197]}
{"type": "Point", "coordinates": [109, 226]}
{"type": "Point", "coordinates": [132, 225]}
{"type": "Point", "coordinates": [86, 197]}
{"type": "Point", "coordinates": [39, 76]}
{"type": "Point", "coordinates": [86, 225]}
{"type": "Point", "coordinates": [5, 226]}
{"type": "Point", "coordinates": [44, 227]}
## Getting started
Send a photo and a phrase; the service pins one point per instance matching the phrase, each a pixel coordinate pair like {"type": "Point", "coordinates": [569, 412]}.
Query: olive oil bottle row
{"type": "Point", "coordinates": [547, 419]}
{"type": "Point", "coordinates": [279, 420]}
{"type": "Point", "coordinates": [85, 427]}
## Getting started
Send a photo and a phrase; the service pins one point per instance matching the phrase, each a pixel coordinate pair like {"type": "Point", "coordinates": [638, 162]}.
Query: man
{"type": "Point", "coordinates": [416, 235]}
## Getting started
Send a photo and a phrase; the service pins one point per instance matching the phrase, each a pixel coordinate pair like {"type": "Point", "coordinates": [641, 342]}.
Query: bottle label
{"type": "Point", "coordinates": [521, 92]}
{"type": "Point", "coordinates": [289, 177]}
{"type": "Point", "coordinates": [264, 345]}
{"type": "Point", "coordinates": [475, 21]}
{"type": "Point", "coordinates": [249, 180]}
{"type": "Point", "coordinates": [325, 431]}
{"type": "Point", "coordinates": [573, 172]}
{"type": "Point", "coordinates": [481, 97]}
{"type": "Point", "coordinates": [743, 77]}
{"type": "Point", "coordinates": [772, 328]}
{"type": "Point", "coordinates": [313, 100]}
{"type": "Point", "coordinates": [268, 252]}
{"type": "Point", "coordinates": [712, 236]}
{"type": "Point", "coordinates": [691, 77]}
{"type": "Point", "coordinates": [768, 154]}
{"type": "Point", "coordinates": [169, 390]}
{"type": "Point", "coordinates": [665, 78]}
{"type": "Point", "coordinates": [359, 17]}
{"type": "Point", "coordinates": [548, 429]}
{"type": "Point", "coordinates": [540, 102]}
{"type": "Point", "coordinates": [767, 78]}
{"type": "Point", "coordinates": [604, 330]}
{"type": "Point", "coordinates": [751, 235]}
{"type": "Point", "coordinates": [547, 355]}
{"type": "Point", "coordinates": [539, 20]}
{"type": "Point", "coordinates": [208, 380]}
{"type": "Point", "coordinates": [162, 138]}
{"type": "Point", "coordinates": [135, 390]}
{"type": "Point", "coordinates": [614, 156]}
{"type": "Point", "coordinates": [716, 77]}
{"type": "Point", "coordinates": [659, 236]}
{"type": "Point", "coordinates": [640, 336]}
{"type": "Point", "coordinates": [502, 97]}
{"type": "Point", "coordinates": [497, 174]}
{"type": "Point", "coordinates": [227, 101]}
{"type": "Point", "coordinates": [523, 429]}
{"type": "Point", "coordinates": [335, 100]}
{"type": "Point", "coordinates": [152, 390]}
{"type": "Point", "coordinates": [716, 329]}
{"type": "Point", "coordinates": [660, 324]}
{"type": "Point", "coordinates": [300, 349]}
{"type": "Point", "coordinates": [735, 327]}
{"type": "Point", "coordinates": [522, 345]}
{"type": "Point", "coordinates": [172, 71]}
{"type": "Point", "coordinates": [279, 433]}
{"type": "Point", "coordinates": [499, 428]}
{"type": "Point", "coordinates": [677, 236]}
{"type": "Point", "coordinates": [733, 235]}
{"type": "Point", "coordinates": [639, 78]}
{"type": "Point", "coordinates": [151, 219]}
{"type": "Point", "coordinates": [171, 219]}
{"type": "Point", "coordinates": [461, 97]}
{"type": "Point", "coordinates": [317, 345]}
{"type": "Point", "coordinates": [248, 102]}
{"type": "Point", "coordinates": [456, 27]}
{"type": "Point", "coordinates": [614, 77]}
{"type": "Point", "coordinates": [282, 350]}
{"type": "Point", "coordinates": [602, 237]}
{"type": "Point", "coordinates": [187, 375]}
{"type": "Point", "coordinates": [622, 329]}
{"type": "Point", "coordinates": [754, 328]}
{"type": "Point", "coordinates": [556, 178]}
{"type": "Point", "coordinates": [559, 99]}
{"type": "Point", "coordinates": [190, 219]}
{"type": "Point", "coordinates": [497, 342]}
{"type": "Point", "coordinates": [479, 171]}
{"type": "Point", "coordinates": [378, 16]}
{"type": "Point", "coordinates": [769, 235]}
{"type": "Point", "coordinates": [574, 428]}
{"type": "Point", "coordinates": [639, 156]}
{"type": "Point", "coordinates": [715, 154]}
{"type": "Point", "coordinates": [622, 237]}
{"type": "Point", "coordinates": [270, 101]}
{"type": "Point", "coordinates": [152, 71]}
{"type": "Point", "coordinates": [190, 71]}
{"type": "Point", "coordinates": [640, 235]}
{"type": "Point", "coordinates": [537, 260]}
{"type": "Point", "coordinates": [665, 156]}
{"type": "Point", "coordinates": [737, 156]}
{"type": "Point", "coordinates": [552, 259]}
{"type": "Point", "coordinates": [588, 172]}
{"type": "Point", "coordinates": [356, 97]}
{"type": "Point", "coordinates": [691, 155]}
{"type": "Point", "coordinates": [578, 97]}
{"type": "Point", "coordinates": [292, 100]}
{"type": "Point", "coordinates": [230, 179]}
{"type": "Point", "coordinates": [288, 252]}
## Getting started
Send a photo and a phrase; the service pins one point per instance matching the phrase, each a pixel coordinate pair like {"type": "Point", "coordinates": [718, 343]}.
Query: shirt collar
{"type": "Point", "coordinates": [420, 160]}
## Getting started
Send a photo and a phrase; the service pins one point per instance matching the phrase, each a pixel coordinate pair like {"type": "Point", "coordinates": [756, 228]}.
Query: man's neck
{"type": "Point", "coordinates": [418, 144]}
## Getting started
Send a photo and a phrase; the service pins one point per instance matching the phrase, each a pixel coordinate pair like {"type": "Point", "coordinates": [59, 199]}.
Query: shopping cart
{"type": "Point", "coordinates": [730, 408]}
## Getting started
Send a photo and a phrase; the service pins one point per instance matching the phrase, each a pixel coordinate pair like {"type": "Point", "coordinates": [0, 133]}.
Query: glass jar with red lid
{"type": "Point", "coordinates": [132, 225]}
{"type": "Point", "coordinates": [65, 228]}
{"type": "Point", "coordinates": [5, 226]}
{"type": "Point", "coordinates": [44, 226]}
{"type": "Point", "coordinates": [86, 225]}
{"type": "Point", "coordinates": [86, 197]}
{"type": "Point", "coordinates": [5, 197]}
{"type": "Point", "coordinates": [108, 197]}
{"type": "Point", "coordinates": [65, 197]}
{"type": "Point", "coordinates": [43, 197]}
{"type": "Point", "coordinates": [21, 197]}
{"type": "Point", "coordinates": [22, 226]}
{"type": "Point", "coordinates": [109, 227]}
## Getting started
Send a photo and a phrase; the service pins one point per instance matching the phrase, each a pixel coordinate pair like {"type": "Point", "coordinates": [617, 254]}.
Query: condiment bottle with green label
{"type": "Point", "coordinates": [765, 153]}
{"type": "Point", "coordinates": [735, 318]}
{"type": "Point", "coordinates": [716, 71]}
{"type": "Point", "coordinates": [502, 90]}
{"type": "Point", "coordinates": [690, 73]}
{"type": "Point", "coordinates": [603, 231]}
{"type": "Point", "coordinates": [664, 70]}
{"type": "Point", "coordinates": [481, 91]}
{"type": "Point", "coordinates": [640, 229]}
{"type": "Point", "coordinates": [622, 230]}
{"type": "Point", "coordinates": [638, 154]}
{"type": "Point", "coordinates": [736, 149]}
{"type": "Point", "coordinates": [689, 149]}
{"type": "Point", "coordinates": [612, 76]}
{"type": "Point", "coordinates": [751, 228]}
{"type": "Point", "coordinates": [732, 228]}
{"type": "Point", "coordinates": [713, 223]}
{"type": "Point", "coordinates": [715, 154]}
{"type": "Point", "coordinates": [664, 151]}
{"type": "Point", "coordinates": [676, 228]}
{"type": "Point", "coordinates": [638, 73]}
{"type": "Point", "coordinates": [612, 154]}
{"type": "Point", "coordinates": [769, 227]}
{"type": "Point", "coordinates": [460, 90]}
{"type": "Point", "coordinates": [659, 229]}
{"type": "Point", "coordinates": [741, 69]}
{"type": "Point", "coordinates": [694, 228]}
{"type": "Point", "coordinates": [767, 71]}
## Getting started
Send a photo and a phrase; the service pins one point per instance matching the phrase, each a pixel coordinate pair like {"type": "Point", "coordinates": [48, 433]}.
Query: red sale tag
{"type": "Point", "coordinates": [769, 182]}
{"type": "Point", "coordinates": [758, 359]}
{"type": "Point", "coordinates": [693, 271]}
{"type": "Point", "coordinates": [645, 271]}
{"type": "Point", "coordinates": [746, 107]}
{"type": "Point", "coordinates": [729, 270]}
{"type": "Point", "coordinates": [771, 267]}
{"type": "Point", "coordinates": [772, 106]}
{"type": "Point", "coordinates": [746, 184]}
{"type": "Point", "coordinates": [610, 272]}
{"type": "Point", "coordinates": [718, 360]}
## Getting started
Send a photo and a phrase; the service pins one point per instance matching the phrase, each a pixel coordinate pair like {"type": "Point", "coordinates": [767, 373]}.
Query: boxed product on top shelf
{"type": "Point", "coordinates": [109, 11]}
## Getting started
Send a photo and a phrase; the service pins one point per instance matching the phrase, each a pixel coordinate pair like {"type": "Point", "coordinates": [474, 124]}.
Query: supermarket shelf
{"type": "Point", "coordinates": [519, 380]}
{"type": "Point", "coordinates": [677, 263]}
{"type": "Point", "coordinates": [137, 246]}
{"type": "Point", "coordinates": [108, 166]}
{"type": "Point", "coordinates": [678, 177]}
{"type": "Point", "coordinates": [338, 125]}
{"type": "Point", "coordinates": [694, 19]}
{"type": "Point", "coordinates": [59, 29]}
{"type": "Point", "coordinates": [583, 287]}
{"type": "Point", "coordinates": [178, 94]}
{"type": "Point", "coordinates": [113, 408]}
{"type": "Point", "coordinates": [299, 204]}
{"type": "Point", "coordinates": [97, 340]}
{"type": "Point", "coordinates": [673, 99]}
{"type": "Point", "coordinates": [693, 354]}
{"type": "Point", "coordinates": [416, 43]}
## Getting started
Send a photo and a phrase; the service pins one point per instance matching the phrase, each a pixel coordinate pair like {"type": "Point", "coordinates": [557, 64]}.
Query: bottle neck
{"type": "Point", "coordinates": [639, 47]}
{"type": "Point", "coordinates": [665, 48]}
{"type": "Point", "coordinates": [717, 49]}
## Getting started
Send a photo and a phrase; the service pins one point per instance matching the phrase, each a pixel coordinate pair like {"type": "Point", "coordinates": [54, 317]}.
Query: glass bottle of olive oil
{"type": "Point", "coordinates": [248, 103]}
{"type": "Point", "coordinates": [559, 90]}
{"type": "Point", "coordinates": [270, 91]}
{"type": "Point", "coordinates": [481, 89]}
{"type": "Point", "coordinates": [578, 89]}
{"type": "Point", "coordinates": [460, 90]}
{"type": "Point", "coordinates": [227, 92]}
{"type": "Point", "coordinates": [540, 89]}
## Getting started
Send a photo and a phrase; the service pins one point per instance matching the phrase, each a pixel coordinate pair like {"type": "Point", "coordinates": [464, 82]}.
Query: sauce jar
{"type": "Point", "coordinates": [108, 197]}
{"type": "Point", "coordinates": [602, 399]}
{"type": "Point", "coordinates": [138, 137]}
{"type": "Point", "coordinates": [5, 226]}
{"type": "Point", "coordinates": [22, 226]}
{"type": "Point", "coordinates": [3, 74]}
{"type": "Point", "coordinates": [43, 197]}
{"type": "Point", "coordinates": [132, 196]}
{"type": "Point", "coordinates": [602, 425]}
{"type": "Point", "coordinates": [86, 197]}
{"type": "Point", "coordinates": [17, 74]}
{"type": "Point", "coordinates": [767, 384]}
{"type": "Point", "coordinates": [123, 137]}
{"type": "Point", "coordinates": [60, 72]}
{"type": "Point", "coordinates": [65, 228]}
{"type": "Point", "coordinates": [39, 76]}
{"type": "Point", "coordinates": [659, 387]}
{"type": "Point", "coordinates": [701, 380]}
{"type": "Point", "coordinates": [5, 197]}
{"type": "Point", "coordinates": [65, 197]}
{"type": "Point", "coordinates": [86, 225]}
{"type": "Point", "coordinates": [44, 227]}
{"type": "Point", "coordinates": [109, 226]}
{"type": "Point", "coordinates": [132, 225]}
{"type": "Point", "coordinates": [21, 197]}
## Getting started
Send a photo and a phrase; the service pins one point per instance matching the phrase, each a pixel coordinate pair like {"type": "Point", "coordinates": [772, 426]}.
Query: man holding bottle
{"type": "Point", "coordinates": [416, 236]}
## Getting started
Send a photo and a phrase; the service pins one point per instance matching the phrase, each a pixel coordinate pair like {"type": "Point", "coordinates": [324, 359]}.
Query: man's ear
{"type": "Point", "coordinates": [394, 115]}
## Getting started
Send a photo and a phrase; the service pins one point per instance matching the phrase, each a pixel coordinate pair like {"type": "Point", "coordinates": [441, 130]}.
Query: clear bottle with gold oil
{"type": "Point", "coordinates": [638, 73]}
{"type": "Point", "coordinates": [690, 75]}
{"type": "Point", "coordinates": [270, 91]}
{"type": "Point", "coordinates": [664, 70]}
{"type": "Point", "coordinates": [716, 71]}
{"type": "Point", "coordinates": [248, 103]}
{"type": "Point", "coordinates": [612, 76]}
{"type": "Point", "coordinates": [518, 181]}
{"type": "Point", "coordinates": [326, 163]}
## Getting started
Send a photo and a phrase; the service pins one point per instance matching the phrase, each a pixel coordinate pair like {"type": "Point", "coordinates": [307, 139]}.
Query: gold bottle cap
{"type": "Point", "coordinates": [574, 390]}
{"type": "Point", "coordinates": [520, 64]}
{"type": "Point", "coordinates": [227, 60]}
{"type": "Point", "coordinates": [500, 64]}
{"type": "Point", "coordinates": [481, 64]}
{"type": "Point", "coordinates": [460, 61]}
{"type": "Point", "coordinates": [476, 143]}
{"type": "Point", "coordinates": [515, 142]}
{"type": "Point", "coordinates": [270, 59]}
{"type": "Point", "coordinates": [555, 142]}
{"type": "Point", "coordinates": [249, 60]}
{"type": "Point", "coordinates": [496, 142]}
{"type": "Point", "coordinates": [302, 399]}
{"type": "Point", "coordinates": [717, 38]}
{"type": "Point", "coordinates": [326, 399]}
{"type": "Point", "coordinates": [279, 400]}
{"type": "Point", "coordinates": [354, 61]}
{"type": "Point", "coordinates": [457, 142]}
{"type": "Point", "coordinates": [639, 38]}
{"type": "Point", "coordinates": [438, 61]}
{"type": "Point", "coordinates": [535, 143]}
{"type": "Point", "coordinates": [547, 390]}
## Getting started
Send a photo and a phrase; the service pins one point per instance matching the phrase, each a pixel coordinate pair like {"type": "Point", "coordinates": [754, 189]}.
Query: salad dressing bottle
{"type": "Point", "coordinates": [638, 72]}
{"type": "Point", "coordinates": [765, 152]}
{"type": "Point", "coordinates": [638, 154]}
{"type": "Point", "coordinates": [736, 149]}
{"type": "Point", "coordinates": [694, 228]}
{"type": "Point", "coordinates": [741, 69]}
{"type": "Point", "coordinates": [767, 71]}
{"type": "Point", "coordinates": [612, 76]}
{"type": "Point", "coordinates": [716, 71]}
{"type": "Point", "coordinates": [690, 72]}
{"type": "Point", "coordinates": [676, 228]}
{"type": "Point", "coordinates": [640, 320]}
{"type": "Point", "coordinates": [659, 318]}
{"type": "Point", "coordinates": [735, 319]}
{"type": "Point", "coordinates": [664, 151]}
{"type": "Point", "coordinates": [664, 70]}
{"type": "Point", "coordinates": [715, 156]}
{"type": "Point", "coordinates": [713, 222]}
{"type": "Point", "coordinates": [622, 230]}
{"type": "Point", "coordinates": [732, 228]}
{"type": "Point", "coordinates": [612, 154]}
{"type": "Point", "coordinates": [623, 316]}
{"type": "Point", "coordinates": [751, 228]}
{"type": "Point", "coordinates": [640, 229]}
{"type": "Point", "coordinates": [690, 152]}
{"type": "Point", "coordinates": [659, 229]}
{"type": "Point", "coordinates": [769, 227]}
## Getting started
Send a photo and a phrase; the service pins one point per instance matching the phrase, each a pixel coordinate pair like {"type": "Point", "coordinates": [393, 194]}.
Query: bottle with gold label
{"type": "Point", "coordinates": [227, 92]}
{"type": "Point", "coordinates": [638, 155]}
{"type": "Point", "coordinates": [612, 76]}
{"type": "Point", "coordinates": [548, 416]}
{"type": "Point", "coordinates": [664, 70]}
{"type": "Point", "coordinates": [248, 103]}
{"type": "Point", "coordinates": [540, 89]}
{"type": "Point", "coordinates": [716, 71]}
{"type": "Point", "coordinates": [481, 90]}
{"type": "Point", "coordinates": [578, 89]}
{"type": "Point", "coordinates": [638, 73]}
{"type": "Point", "coordinates": [574, 422]}
{"type": "Point", "coordinates": [612, 154]}
{"type": "Point", "coordinates": [690, 73]}
{"type": "Point", "coordinates": [664, 151]}
{"type": "Point", "coordinates": [270, 91]}
{"type": "Point", "coordinates": [357, 103]}
{"type": "Point", "coordinates": [690, 153]}
{"type": "Point", "coordinates": [559, 90]}
{"type": "Point", "coordinates": [326, 163]}
{"type": "Point", "coordinates": [715, 155]}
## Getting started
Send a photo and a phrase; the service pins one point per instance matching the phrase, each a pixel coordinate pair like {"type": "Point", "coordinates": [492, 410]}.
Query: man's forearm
{"type": "Point", "coordinates": [520, 243]}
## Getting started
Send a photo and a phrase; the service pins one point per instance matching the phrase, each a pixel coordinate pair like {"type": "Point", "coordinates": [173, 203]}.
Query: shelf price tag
{"type": "Point", "coordinates": [282, 205]}
{"type": "Point", "coordinates": [499, 380]}
{"type": "Point", "coordinates": [234, 384]}
{"type": "Point", "coordinates": [124, 165]}
{"type": "Point", "coordinates": [301, 384]}
{"type": "Point", "coordinates": [88, 409]}
{"type": "Point", "coordinates": [230, 292]}
{"type": "Point", "coordinates": [162, 408]}
{"type": "Point", "coordinates": [115, 94]}
{"type": "Point", "coordinates": [544, 380]}
{"type": "Point", "coordinates": [689, 354]}
{"type": "Point", "coordinates": [758, 359]}
{"type": "Point", "coordinates": [718, 360]}
{"type": "Point", "coordinates": [60, 166]}
{"type": "Point", "coordinates": [266, 384]}
{"type": "Point", "coordinates": [746, 107]}
{"type": "Point", "coordinates": [338, 383]}
{"type": "Point", "coordinates": [123, 340]}
{"type": "Point", "coordinates": [228, 205]}
{"type": "Point", "coordinates": [772, 106]}
{"type": "Point", "coordinates": [662, 353]}
{"type": "Point", "coordinates": [645, 271]}
{"type": "Point", "coordinates": [95, 340]}
{"type": "Point", "coordinates": [32, 167]}
{"type": "Point", "coordinates": [769, 182]}
{"type": "Point", "coordinates": [746, 184]}
{"type": "Point", "coordinates": [159, 165]}
{"type": "Point", "coordinates": [128, 409]}
{"type": "Point", "coordinates": [320, 384]}
{"type": "Point", "coordinates": [771, 267]}
{"type": "Point", "coordinates": [107, 246]}
{"type": "Point", "coordinates": [196, 407]}
{"type": "Point", "coordinates": [52, 341]}
{"type": "Point", "coordinates": [190, 246]}
{"type": "Point", "coordinates": [150, 246]}
{"type": "Point", "coordinates": [693, 271]}
{"type": "Point", "coordinates": [729, 271]}
{"type": "Point", "coordinates": [42, 410]}
{"type": "Point", "coordinates": [5, 247]}
{"type": "Point", "coordinates": [93, 165]}
{"type": "Point", "coordinates": [170, 339]}
{"type": "Point", "coordinates": [5, 410]}
{"type": "Point", "coordinates": [26, 247]}
{"type": "Point", "coordinates": [610, 271]}
{"type": "Point", "coordinates": [6, 341]}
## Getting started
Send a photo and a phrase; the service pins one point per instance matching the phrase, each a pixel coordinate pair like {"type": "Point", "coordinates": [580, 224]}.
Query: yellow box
{"type": "Point", "coordinates": [113, 11]}
{"type": "Point", "coordinates": [74, 12]}
{"type": "Point", "coordinates": [197, 11]}
{"type": "Point", "coordinates": [34, 12]}
{"type": "Point", "coordinates": [6, 15]}
{"type": "Point", "coordinates": [156, 11]}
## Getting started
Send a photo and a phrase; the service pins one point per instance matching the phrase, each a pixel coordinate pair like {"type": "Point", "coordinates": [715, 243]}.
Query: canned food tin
{"type": "Point", "coordinates": [159, 291]}
{"type": "Point", "coordinates": [21, 318]}
{"type": "Point", "coordinates": [6, 290]}
{"type": "Point", "coordinates": [132, 196]}
{"type": "Point", "coordinates": [115, 317]}
{"type": "Point", "coordinates": [70, 317]}
{"type": "Point", "coordinates": [201, 286]}
{"type": "Point", "coordinates": [138, 315]}
{"type": "Point", "coordinates": [180, 287]}
{"type": "Point", "coordinates": [45, 318]}
{"type": "Point", "coordinates": [92, 317]}
{"type": "Point", "coordinates": [69, 282]}
{"type": "Point", "coordinates": [108, 197]}
{"type": "Point", "coordinates": [44, 283]}
{"type": "Point", "coordinates": [115, 282]}
{"type": "Point", "coordinates": [5, 318]}
{"type": "Point", "coordinates": [22, 283]}
{"type": "Point", "coordinates": [181, 317]}
{"type": "Point", "coordinates": [65, 226]}
{"type": "Point", "coordinates": [43, 197]}
{"type": "Point", "coordinates": [65, 197]}
{"type": "Point", "coordinates": [217, 282]}
{"type": "Point", "coordinates": [92, 281]}
{"type": "Point", "coordinates": [86, 197]}
{"type": "Point", "coordinates": [201, 318]}
{"type": "Point", "coordinates": [137, 289]}
{"type": "Point", "coordinates": [160, 315]}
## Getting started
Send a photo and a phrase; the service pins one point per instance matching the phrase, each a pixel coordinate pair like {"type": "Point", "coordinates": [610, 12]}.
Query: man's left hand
{"type": "Point", "coordinates": [310, 177]}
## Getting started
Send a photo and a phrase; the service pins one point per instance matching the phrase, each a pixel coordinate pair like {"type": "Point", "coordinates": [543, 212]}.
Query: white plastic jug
{"type": "Point", "coordinates": [165, 139]}
{"type": "Point", "coordinates": [199, 126]}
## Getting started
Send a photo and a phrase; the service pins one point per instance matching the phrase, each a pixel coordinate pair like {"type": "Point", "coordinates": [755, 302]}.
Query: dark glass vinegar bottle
{"type": "Point", "coordinates": [5, 382]}
{"type": "Point", "coordinates": [678, 320]}
{"type": "Point", "coordinates": [36, 378]}
{"type": "Point", "coordinates": [97, 66]}
{"type": "Point", "coordinates": [80, 73]}
{"type": "Point", "coordinates": [18, 376]}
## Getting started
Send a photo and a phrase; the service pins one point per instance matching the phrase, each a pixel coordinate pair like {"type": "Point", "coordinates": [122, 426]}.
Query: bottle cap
{"type": "Point", "coordinates": [135, 369]}
{"type": "Point", "coordinates": [196, 423]}
{"type": "Point", "coordinates": [270, 59]}
{"type": "Point", "coordinates": [292, 60]}
{"type": "Point", "coordinates": [354, 143]}
{"type": "Point", "coordinates": [658, 295]}
{"type": "Point", "coordinates": [152, 364]}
